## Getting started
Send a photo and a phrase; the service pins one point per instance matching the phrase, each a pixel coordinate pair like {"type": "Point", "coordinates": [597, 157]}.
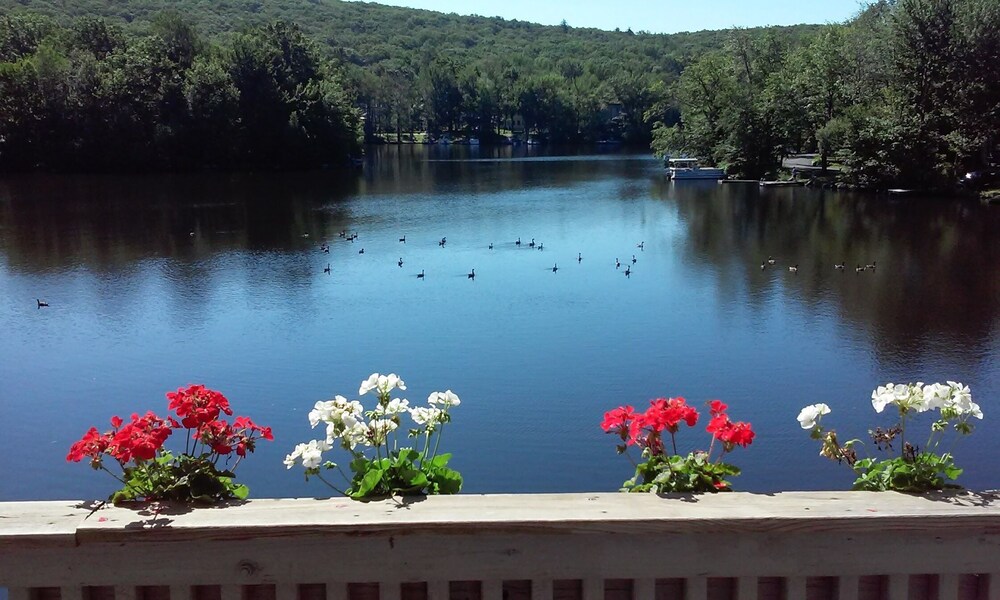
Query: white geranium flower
{"type": "Point", "coordinates": [960, 399]}
{"type": "Point", "coordinates": [445, 399]}
{"type": "Point", "coordinates": [905, 396]}
{"type": "Point", "coordinates": [809, 416]}
{"type": "Point", "coordinates": [382, 384]}
{"type": "Point", "coordinates": [355, 435]}
{"type": "Point", "coordinates": [368, 384]}
{"type": "Point", "coordinates": [975, 411]}
{"type": "Point", "coordinates": [883, 396]}
{"type": "Point", "coordinates": [310, 453]}
{"type": "Point", "coordinates": [424, 415]}
{"type": "Point", "coordinates": [395, 406]}
{"type": "Point", "coordinates": [379, 429]}
{"type": "Point", "coordinates": [335, 411]}
{"type": "Point", "coordinates": [936, 396]}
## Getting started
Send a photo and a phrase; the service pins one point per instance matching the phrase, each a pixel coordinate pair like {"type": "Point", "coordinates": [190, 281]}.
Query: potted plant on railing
{"type": "Point", "coordinates": [912, 468]}
{"type": "Point", "coordinates": [662, 468]}
{"type": "Point", "coordinates": [381, 465]}
{"type": "Point", "coordinates": [151, 472]}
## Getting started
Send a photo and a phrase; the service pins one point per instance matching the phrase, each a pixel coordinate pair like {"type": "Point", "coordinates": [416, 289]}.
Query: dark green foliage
{"type": "Point", "coordinates": [691, 473]}
{"type": "Point", "coordinates": [92, 97]}
{"type": "Point", "coordinates": [406, 472]}
{"type": "Point", "coordinates": [186, 479]}
{"type": "Point", "coordinates": [905, 95]}
{"type": "Point", "coordinates": [922, 473]}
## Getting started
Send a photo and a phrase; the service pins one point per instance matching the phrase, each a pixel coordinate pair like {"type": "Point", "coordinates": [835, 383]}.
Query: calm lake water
{"type": "Point", "coordinates": [155, 282]}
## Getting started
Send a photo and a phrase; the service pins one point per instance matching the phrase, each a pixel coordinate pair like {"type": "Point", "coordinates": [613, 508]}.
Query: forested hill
{"type": "Point", "coordinates": [372, 34]}
{"type": "Point", "coordinates": [173, 81]}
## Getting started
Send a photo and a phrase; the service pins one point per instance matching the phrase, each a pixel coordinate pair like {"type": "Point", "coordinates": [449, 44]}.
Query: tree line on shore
{"type": "Point", "coordinates": [90, 96]}
{"type": "Point", "coordinates": [907, 93]}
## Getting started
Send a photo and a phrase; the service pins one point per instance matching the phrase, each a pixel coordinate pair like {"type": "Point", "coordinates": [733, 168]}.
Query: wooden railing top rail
{"type": "Point", "coordinates": [69, 523]}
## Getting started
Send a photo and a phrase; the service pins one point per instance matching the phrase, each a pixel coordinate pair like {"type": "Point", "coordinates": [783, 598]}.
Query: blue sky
{"type": "Point", "coordinates": [657, 16]}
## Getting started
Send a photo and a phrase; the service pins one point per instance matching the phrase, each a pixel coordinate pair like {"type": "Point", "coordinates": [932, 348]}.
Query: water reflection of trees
{"type": "Point", "coordinates": [938, 271]}
{"type": "Point", "coordinates": [107, 223]}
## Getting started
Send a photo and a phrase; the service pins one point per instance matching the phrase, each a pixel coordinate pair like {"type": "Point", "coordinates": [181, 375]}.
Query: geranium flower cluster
{"type": "Point", "coordinates": [664, 470]}
{"type": "Point", "coordinates": [150, 472]}
{"type": "Point", "coordinates": [914, 469]}
{"type": "Point", "coordinates": [380, 465]}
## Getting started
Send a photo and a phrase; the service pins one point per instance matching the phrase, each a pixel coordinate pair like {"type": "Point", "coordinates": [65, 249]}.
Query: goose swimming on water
{"type": "Point", "coordinates": [472, 275]}
{"type": "Point", "coordinates": [41, 303]}
{"type": "Point", "coordinates": [420, 275]}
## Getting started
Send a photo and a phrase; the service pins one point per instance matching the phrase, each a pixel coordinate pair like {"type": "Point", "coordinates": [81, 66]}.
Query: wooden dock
{"type": "Point", "coordinates": [790, 183]}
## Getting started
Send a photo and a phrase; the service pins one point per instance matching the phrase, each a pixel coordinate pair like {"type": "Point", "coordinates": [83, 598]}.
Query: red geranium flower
{"type": "Point", "coordinates": [618, 420]}
{"type": "Point", "coordinates": [92, 444]}
{"type": "Point", "coordinates": [141, 438]}
{"type": "Point", "coordinates": [197, 405]}
{"type": "Point", "coordinates": [667, 414]}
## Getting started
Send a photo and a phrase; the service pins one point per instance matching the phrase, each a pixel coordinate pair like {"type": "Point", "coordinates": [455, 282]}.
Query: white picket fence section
{"type": "Point", "coordinates": [796, 545]}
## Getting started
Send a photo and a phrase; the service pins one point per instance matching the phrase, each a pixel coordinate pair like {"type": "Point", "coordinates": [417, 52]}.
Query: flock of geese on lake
{"type": "Point", "coordinates": [841, 266]}
{"type": "Point", "coordinates": [325, 248]}
{"type": "Point", "coordinates": [352, 237]}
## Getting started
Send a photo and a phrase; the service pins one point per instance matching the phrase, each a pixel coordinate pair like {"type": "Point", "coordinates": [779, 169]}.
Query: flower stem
{"type": "Point", "coordinates": [335, 488]}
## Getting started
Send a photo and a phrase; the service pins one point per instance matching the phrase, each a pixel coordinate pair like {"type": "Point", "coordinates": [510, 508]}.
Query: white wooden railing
{"type": "Point", "coordinates": [811, 545]}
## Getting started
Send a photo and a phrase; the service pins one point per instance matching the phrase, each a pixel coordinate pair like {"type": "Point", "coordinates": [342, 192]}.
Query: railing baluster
{"type": "Point", "coordinates": [541, 589]}
{"type": "Point", "coordinates": [795, 588]}
{"type": "Point", "coordinates": [644, 589]}
{"type": "Point", "coordinates": [992, 594]}
{"type": "Point", "coordinates": [847, 588]}
{"type": "Point", "coordinates": [438, 590]}
{"type": "Point", "coordinates": [230, 592]}
{"type": "Point", "coordinates": [177, 592]}
{"type": "Point", "coordinates": [696, 588]}
{"type": "Point", "coordinates": [947, 586]}
{"type": "Point", "coordinates": [389, 590]}
{"type": "Point", "coordinates": [336, 590]}
{"type": "Point", "coordinates": [593, 589]}
{"type": "Point", "coordinates": [492, 589]}
{"type": "Point", "coordinates": [899, 587]}
{"type": "Point", "coordinates": [746, 588]}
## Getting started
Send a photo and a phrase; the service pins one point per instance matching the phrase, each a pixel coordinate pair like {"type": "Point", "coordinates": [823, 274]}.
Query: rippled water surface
{"type": "Point", "coordinates": [158, 281]}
